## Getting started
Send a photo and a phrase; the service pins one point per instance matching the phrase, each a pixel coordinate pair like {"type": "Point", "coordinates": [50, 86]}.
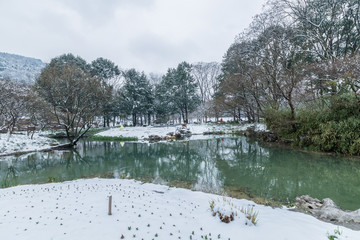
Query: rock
{"type": "Point", "coordinates": [306, 202]}
{"type": "Point", "coordinates": [327, 210]}
{"type": "Point", "coordinates": [154, 138]}
{"type": "Point", "coordinates": [182, 132]}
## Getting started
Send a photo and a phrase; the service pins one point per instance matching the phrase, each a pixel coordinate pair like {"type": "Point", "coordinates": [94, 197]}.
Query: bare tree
{"type": "Point", "coordinates": [206, 75]}
{"type": "Point", "coordinates": [13, 102]}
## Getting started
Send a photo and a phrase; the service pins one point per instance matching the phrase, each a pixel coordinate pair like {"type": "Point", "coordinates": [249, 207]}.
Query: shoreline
{"type": "Point", "coordinates": [79, 210]}
{"type": "Point", "coordinates": [57, 147]}
{"type": "Point", "coordinates": [260, 201]}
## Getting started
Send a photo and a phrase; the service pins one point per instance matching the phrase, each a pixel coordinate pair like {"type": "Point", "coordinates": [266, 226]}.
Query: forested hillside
{"type": "Point", "coordinates": [19, 68]}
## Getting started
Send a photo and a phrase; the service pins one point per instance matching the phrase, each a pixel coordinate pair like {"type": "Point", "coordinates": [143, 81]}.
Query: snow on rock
{"type": "Point", "coordinates": [327, 209]}
{"type": "Point", "coordinates": [79, 210]}
{"type": "Point", "coordinates": [22, 142]}
{"type": "Point", "coordinates": [196, 129]}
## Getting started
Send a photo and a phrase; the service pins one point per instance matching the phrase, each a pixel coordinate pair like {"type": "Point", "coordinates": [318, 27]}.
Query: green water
{"type": "Point", "coordinates": [213, 165]}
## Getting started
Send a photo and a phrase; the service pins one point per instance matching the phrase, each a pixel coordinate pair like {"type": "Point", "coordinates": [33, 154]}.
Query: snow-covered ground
{"type": "Point", "coordinates": [22, 142]}
{"type": "Point", "coordinates": [196, 129]}
{"type": "Point", "coordinates": [79, 210]}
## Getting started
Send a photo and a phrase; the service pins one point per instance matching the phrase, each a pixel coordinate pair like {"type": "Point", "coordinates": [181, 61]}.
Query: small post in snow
{"type": "Point", "coordinates": [110, 199]}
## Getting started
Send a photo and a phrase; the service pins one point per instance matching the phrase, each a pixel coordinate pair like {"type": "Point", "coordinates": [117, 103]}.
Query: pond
{"type": "Point", "coordinates": [233, 166]}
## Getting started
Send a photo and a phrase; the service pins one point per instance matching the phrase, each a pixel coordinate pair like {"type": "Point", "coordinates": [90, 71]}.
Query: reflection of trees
{"type": "Point", "coordinates": [8, 174]}
{"type": "Point", "coordinates": [207, 164]}
{"type": "Point", "coordinates": [283, 174]}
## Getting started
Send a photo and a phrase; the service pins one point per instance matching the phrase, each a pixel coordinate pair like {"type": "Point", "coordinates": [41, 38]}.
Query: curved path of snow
{"type": "Point", "coordinates": [79, 210]}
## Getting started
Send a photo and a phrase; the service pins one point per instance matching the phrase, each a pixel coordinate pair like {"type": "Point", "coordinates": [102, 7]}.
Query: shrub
{"type": "Point", "coordinates": [332, 125]}
{"type": "Point", "coordinates": [341, 137]}
{"type": "Point", "coordinates": [279, 122]}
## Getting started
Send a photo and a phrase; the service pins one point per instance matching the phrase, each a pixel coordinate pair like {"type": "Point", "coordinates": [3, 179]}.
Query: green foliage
{"type": "Point", "coordinates": [136, 97]}
{"type": "Point", "coordinates": [177, 92]}
{"type": "Point", "coordinates": [342, 107]}
{"type": "Point", "coordinates": [336, 235]}
{"type": "Point", "coordinates": [330, 125]}
{"type": "Point", "coordinates": [5, 183]}
{"type": "Point", "coordinates": [338, 136]}
{"type": "Point", "coordinates": [104, 69]}
{"type": "Point", "coordinates": [279, 121]}
{"type": "Point", "coordinates": [91, 132]}
{"type": "Point", "coordinates": [51, 179]}
{"type": "Point", "coordinates": [212, 205]}
{"type": "Point", "coordinates": [250, 214]}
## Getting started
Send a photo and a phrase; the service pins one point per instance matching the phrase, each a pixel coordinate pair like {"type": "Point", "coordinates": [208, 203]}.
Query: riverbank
{"type": "Point", "coordinates": [79, 210]}
{"type": "Point", "coordinates": [20, 143]}
{"type": "Point", "coordinates": [198, 131]}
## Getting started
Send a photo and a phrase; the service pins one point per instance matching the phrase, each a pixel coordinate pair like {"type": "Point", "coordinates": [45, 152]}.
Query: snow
{"type": "Point", "coordinates": [79, 210]}
{"type": "Point", "coordinates": [22, 142]}
{"type": "Point", "coordinates": [19, 68]}
{"type": "Point", "coordinates": [196, 129]}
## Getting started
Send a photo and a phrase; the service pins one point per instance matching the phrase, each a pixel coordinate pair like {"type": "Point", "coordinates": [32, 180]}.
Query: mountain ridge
{"type": "Point", "coordinates": [20, 68]}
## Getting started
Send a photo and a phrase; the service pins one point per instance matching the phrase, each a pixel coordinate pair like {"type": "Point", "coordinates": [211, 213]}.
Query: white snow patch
{"type": "Point", "coordinates": [22, 142]}
{"type": "Point", "coordinates": [79, 210]}
{"type": "Point", "coordinates": [196, 129]}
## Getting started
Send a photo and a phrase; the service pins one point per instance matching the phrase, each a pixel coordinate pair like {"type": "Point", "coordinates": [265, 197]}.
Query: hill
{"type": "Point", "coordinates": [20, 68]}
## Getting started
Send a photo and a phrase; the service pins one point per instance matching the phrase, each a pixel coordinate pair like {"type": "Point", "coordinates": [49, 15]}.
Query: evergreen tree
{"type": "Point", "coordinates": [137, 97]}
{"type": "Point", "coordinates": [177, 91]}
{"type": "Point", "coordinates": [105, 70]}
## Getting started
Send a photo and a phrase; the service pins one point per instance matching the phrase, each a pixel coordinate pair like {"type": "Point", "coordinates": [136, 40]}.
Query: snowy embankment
{"type": "Point", "coordinates": [196, 129]}
{"type": "Point", "coordinates": [79, 210]}
{"type": "Point", "coordinates": [24, 143]}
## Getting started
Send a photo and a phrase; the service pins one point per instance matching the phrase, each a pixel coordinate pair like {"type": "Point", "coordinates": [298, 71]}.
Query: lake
{"type": "Point", "coordinates": [233, 165]}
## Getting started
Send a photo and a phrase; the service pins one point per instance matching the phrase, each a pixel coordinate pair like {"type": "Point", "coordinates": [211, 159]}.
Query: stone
{"type": "Point", "coordinates": [182, 132]}
{"type": "Point", "coordinates": [327, 210]}
{"type": "Point", "coordinates": [154, 138]}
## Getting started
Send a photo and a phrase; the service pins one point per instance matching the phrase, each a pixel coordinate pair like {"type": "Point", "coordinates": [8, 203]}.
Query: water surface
{"type": "Point", "coordinates": [214, 165]}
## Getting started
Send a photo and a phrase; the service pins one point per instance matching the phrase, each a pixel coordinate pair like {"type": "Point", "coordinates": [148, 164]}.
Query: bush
{"type": "Point", "coordinates": [341, 137]}
{"type": "Point", "coordinates": [279, 122]}
{"type": "Point", "coordinates": [331, 125]}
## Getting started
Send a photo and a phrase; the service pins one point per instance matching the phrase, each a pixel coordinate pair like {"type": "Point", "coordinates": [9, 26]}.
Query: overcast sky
{"type": "Point", "coordinates": [149, 35]}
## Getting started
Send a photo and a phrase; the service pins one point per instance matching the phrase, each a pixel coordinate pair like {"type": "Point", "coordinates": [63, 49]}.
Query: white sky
{"type": "Point", "coordinates": [149, 35]}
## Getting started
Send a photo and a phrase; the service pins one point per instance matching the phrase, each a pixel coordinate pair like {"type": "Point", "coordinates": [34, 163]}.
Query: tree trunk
{"type": "Point", "coordinates": [183, 116]}
{"type": "Point", "coordinates": [134, 119]}
{"type": "Point", "coordinates": [292, 109]}
{"type": "Point", "coordinates": [81, 135]}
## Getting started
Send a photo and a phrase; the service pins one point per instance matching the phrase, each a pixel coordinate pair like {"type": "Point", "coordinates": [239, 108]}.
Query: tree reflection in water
{"type": "Point", "coordinates": [213, 165]}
